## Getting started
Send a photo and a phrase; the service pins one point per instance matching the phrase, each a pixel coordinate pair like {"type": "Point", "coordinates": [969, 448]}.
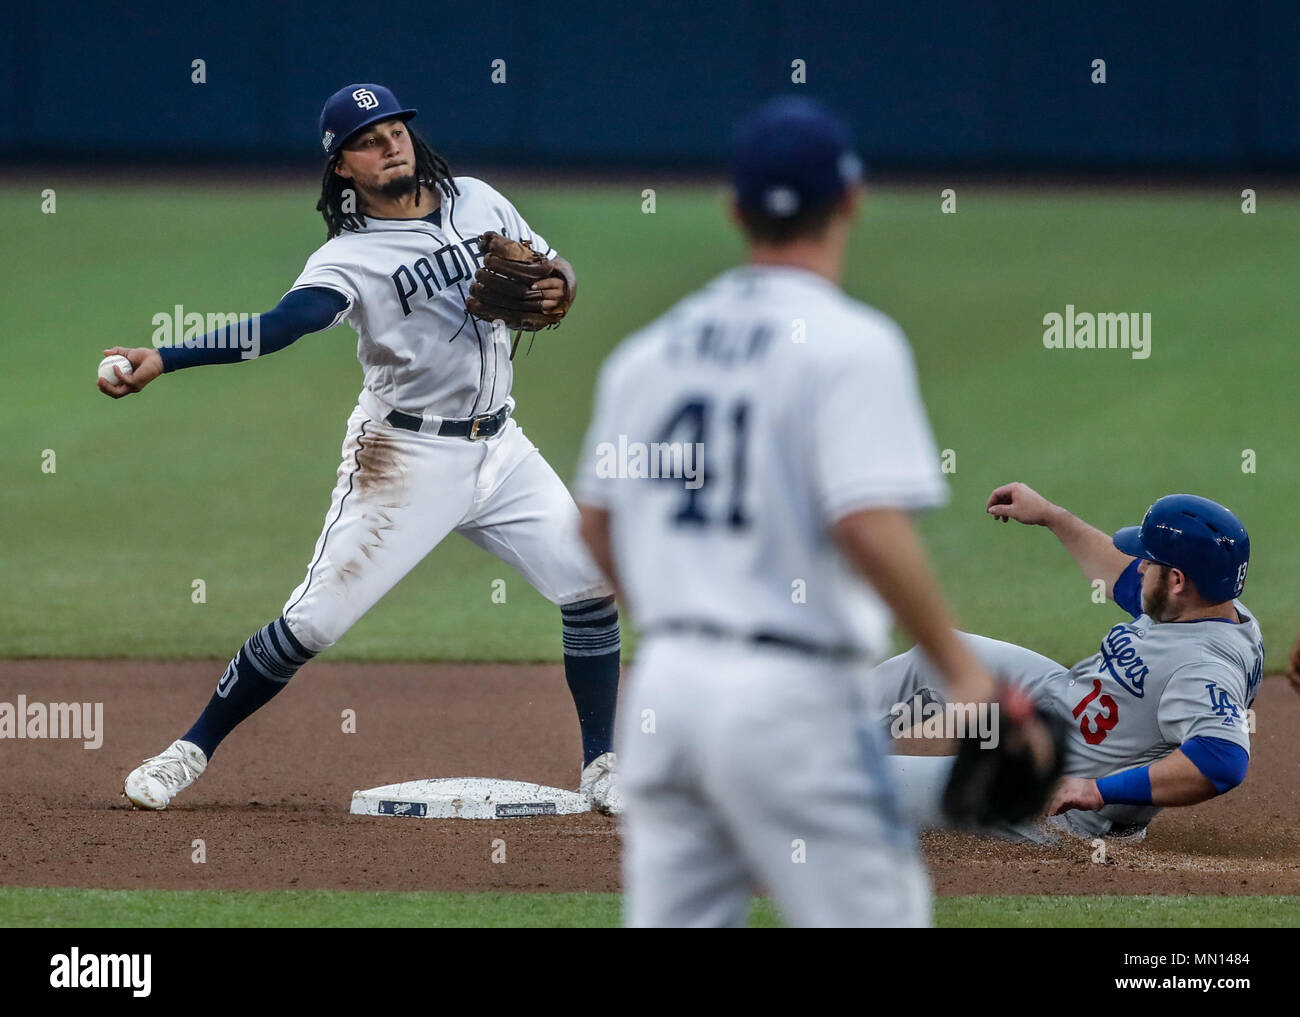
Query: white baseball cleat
{"type": "Point", "coordinates": [599, 782]}
{"type": "Point", "coordinates": [155, 782]}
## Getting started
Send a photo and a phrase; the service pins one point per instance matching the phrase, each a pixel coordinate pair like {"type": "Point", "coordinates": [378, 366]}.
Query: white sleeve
{"type": "Point", "coordinates": [592, 484]}
{"type": "Point", "coordinates": [526, 232]}
{"type": "Point", "coordinates": [871, 441]}
{"type": "Point", "coordinates": [323, 268]}
{"type": "Point", "coordinates": [517, 227]}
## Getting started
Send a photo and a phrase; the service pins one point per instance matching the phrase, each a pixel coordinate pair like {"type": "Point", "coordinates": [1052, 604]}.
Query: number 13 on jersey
{"type": "Point", "coordinates": [1094, 729]}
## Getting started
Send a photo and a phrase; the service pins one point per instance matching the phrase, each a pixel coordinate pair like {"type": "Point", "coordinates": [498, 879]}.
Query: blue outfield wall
{"type": "Point", "coordinates": [1002, 85]}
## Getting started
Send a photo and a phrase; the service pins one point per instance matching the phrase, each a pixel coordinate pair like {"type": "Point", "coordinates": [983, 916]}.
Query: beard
{"type": "Point", "coordinates": [398, 187]}
{"type": "Point", "coordinates": [1156, 603]}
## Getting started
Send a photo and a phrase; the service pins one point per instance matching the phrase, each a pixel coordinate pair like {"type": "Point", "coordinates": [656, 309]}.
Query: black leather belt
{"type": "Point", "coordinates": [485, 425]}
{"type": "Point", "coordinates": [760, 638]}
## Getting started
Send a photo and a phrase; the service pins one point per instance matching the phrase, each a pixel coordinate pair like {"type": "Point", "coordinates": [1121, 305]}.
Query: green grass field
{"type": "Point", "coordinates": [336, 909]}
{"type": "Point", "coordinates": [223, 474]}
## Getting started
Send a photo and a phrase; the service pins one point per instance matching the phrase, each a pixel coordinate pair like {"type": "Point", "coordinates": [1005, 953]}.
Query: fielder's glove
{"type": "Point", "coordinates": [1012, 781]}
{"type": "Point", "coordinates": [504, 288]}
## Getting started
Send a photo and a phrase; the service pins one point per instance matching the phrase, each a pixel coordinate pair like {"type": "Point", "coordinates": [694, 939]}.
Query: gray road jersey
{"type": "Point", "coordinates": [1152, 686]}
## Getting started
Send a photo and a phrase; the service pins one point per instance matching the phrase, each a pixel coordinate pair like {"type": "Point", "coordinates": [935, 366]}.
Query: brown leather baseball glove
{"type": "Point", "coordinates": [506, 288]}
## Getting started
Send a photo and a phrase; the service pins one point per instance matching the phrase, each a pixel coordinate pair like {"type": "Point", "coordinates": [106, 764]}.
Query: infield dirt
{"type": "Point", "coordinates": [271, 810]}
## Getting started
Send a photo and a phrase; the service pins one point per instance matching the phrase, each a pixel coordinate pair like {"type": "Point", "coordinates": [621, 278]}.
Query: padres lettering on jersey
{"type": "Point", "coordinates": [405, 281]}
{"type": "Point", "coordinates": [455, 263]}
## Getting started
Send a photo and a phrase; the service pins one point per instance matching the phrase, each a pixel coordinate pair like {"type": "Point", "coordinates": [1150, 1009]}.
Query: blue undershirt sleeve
{"type": "Point", "coordinates": [1128, 589]}
{"type": "Point", "coordinates": [298, 313]}
{"type": "Point", "coordinates": [1222, 762]}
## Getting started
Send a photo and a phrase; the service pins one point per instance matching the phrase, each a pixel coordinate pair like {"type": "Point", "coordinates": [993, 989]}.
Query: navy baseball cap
{"type": "Point", "coordinates": [353, 107]}
{"type": "Point", "coordinates": [791, 154]}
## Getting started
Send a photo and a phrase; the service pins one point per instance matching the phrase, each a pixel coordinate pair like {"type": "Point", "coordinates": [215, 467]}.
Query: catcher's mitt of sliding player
{"type": "Point", "coordinates": [505, 289]}
{"type": "Point", "coordinates": [1011, 781]}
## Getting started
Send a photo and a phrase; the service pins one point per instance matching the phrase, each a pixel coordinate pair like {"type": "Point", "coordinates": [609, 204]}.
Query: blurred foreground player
{"type": "Point", "coordinates": [784, 432]}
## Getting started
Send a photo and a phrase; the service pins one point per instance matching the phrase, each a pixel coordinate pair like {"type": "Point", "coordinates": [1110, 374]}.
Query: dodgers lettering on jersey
{"type": "Point", "coordinates": [778, 405]}
{"type": "Point", "coordinates": [1120, 659]}
{"type": "Point", "coordinates": [405, 281]}
{"type": "Point", "coordinates": [1150, 687]}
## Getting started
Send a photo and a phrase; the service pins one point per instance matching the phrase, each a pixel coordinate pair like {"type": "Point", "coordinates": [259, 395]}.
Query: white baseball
{"type": "Point", "coordinates": [115, 360]}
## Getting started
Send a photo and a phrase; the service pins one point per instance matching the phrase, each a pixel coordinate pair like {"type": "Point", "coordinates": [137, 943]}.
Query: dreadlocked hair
{"type": "Point", "coordinates": [431, 170]}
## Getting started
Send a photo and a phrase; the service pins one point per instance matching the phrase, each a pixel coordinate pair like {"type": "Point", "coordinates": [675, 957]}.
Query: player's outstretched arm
{"type": "Point", "coordinates": [299, 312]}
{"type": "Point", "coordinates": [1011, 782]}
{"type": "Point", "coordinates": [883, 545]}
{"type": "Point", "coordinates": [146, 365]}
{"type": "Point", "coordinates": [1170, 781]}
{"type": "Point", "coordinates": [1092, 550]}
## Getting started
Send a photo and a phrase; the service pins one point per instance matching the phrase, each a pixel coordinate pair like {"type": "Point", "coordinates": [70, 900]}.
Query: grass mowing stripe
{"type": "Point", "coordinates": [71, 908]}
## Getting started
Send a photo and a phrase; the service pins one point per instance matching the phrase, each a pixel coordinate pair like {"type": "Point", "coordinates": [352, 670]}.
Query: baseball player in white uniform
{"type": "Point", "coordinates": [746, 481]}
{"type": "Point", "coordinates": [432, 446]}
{"type": "Point", "coordinates": [1157, 716]}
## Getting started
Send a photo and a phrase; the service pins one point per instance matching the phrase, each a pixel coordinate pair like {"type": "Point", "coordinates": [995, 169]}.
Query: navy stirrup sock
{"type": "Point", "coordinates": [591, 652]}
{"type": "Point", "coordinates": [261, 668]}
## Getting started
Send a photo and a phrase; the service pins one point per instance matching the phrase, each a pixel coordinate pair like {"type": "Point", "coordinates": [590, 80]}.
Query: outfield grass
{"type": "Point", "coordinates": [62, 908]}
{"type": "Point", "coordinates": [223, 474]}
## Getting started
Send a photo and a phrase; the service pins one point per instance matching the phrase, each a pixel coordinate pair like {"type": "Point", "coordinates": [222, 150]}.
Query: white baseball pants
{"type": "Point", "coordinates": [749, 767]}
{"type": "Point", "coordinates": [399, 493]}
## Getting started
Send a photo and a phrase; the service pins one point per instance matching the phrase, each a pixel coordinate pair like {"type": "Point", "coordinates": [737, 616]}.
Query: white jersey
{"type": "Point", "coordinates": [405, 281]}
{"type": "Point", "coordinates": [795, 406]}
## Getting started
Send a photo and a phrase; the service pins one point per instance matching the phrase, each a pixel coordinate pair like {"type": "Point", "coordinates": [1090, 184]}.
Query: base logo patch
{"type": "Point", "coordinates": [517, 809]}
{"type": "Point", "coordinates": [416, 809]}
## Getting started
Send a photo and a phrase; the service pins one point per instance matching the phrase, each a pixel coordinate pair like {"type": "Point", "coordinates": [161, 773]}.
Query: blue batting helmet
{"type": "Point", "coordinates": [1199, 537]}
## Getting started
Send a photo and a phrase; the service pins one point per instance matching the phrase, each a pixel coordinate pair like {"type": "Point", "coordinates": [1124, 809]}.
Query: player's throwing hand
{"type": "Point", "coordinates": [1019, 502]}
{"type": "Point", "coordinates": [146, 365]}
